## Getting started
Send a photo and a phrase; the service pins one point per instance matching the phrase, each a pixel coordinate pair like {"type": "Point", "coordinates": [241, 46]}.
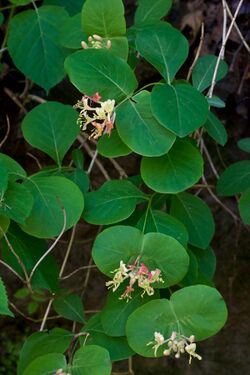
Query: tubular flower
{"type": "Point", "coordinates": [100, 115]}
{"type": "Point", "coordinates": [177, 344]}
{"type": "Point", "coordinates": [136, 272]}
{"type": "Point", "coordinates": [96, 41]}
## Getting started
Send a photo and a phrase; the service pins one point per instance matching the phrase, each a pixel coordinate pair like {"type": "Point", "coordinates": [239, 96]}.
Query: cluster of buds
{"type": "Point", "coordinates": [97, 42]}
{"type": "Point", "coordinates": [177, 344]}
{"type": "Point", "coordinates": [136, 272]}
{"type": "Point", "coordinates": [100, 115]}
{"type": "Point", "coordinates": [61, 372]}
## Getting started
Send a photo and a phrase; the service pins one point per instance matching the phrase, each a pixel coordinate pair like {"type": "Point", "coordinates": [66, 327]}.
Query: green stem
{"type": "Point", "coordinates": [12, 10]}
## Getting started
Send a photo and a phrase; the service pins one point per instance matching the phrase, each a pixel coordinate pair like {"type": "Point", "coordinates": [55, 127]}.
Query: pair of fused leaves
{"type": "Point", "coordinates": [42, 201]}
{"type": "Point", "coordinates": [43, 353]}
{"type": "Point", "coordinates": [46, 30]}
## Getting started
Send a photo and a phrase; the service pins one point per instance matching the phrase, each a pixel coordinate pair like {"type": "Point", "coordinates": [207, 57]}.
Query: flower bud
{"type": "Point", "coordinates": [108, 44]}
{"type": "Point", "coordinates": [97, 37]}
{"type": "Point", "coordinates": [84, 45]}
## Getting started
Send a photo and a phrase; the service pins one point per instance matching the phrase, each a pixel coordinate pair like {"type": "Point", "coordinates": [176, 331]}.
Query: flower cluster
{"type": "Point", "coordinates": [99, 114]}
{"type": "Point", "coordinates": [136, 272]}
{"type": "Point", "coordinates": [97, 42]}
{"type": "Point", "coordinates": [177, 344]}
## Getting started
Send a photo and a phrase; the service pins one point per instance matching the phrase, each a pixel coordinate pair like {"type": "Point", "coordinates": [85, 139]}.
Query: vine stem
{"type": "Point", "coordinates": [222, 50]}
{"type": "Point", "coordinates": [12, 270]}
{"type": "Point", "coordinates": [197, 53]}
{"type": "Point", "coordinates": [51, 247]}
{"type": "Point", "coordinates": [66, 257]}
{"type": "Point", "coordinates": [7, 132]}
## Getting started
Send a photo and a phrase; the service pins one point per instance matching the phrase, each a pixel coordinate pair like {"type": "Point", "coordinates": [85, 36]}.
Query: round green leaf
{"type": "Point", "coordinates": [117, 346]}
{"type": "Point", "coordinates": [51, 127]}
{"type": "Point", "coordinates": [196, 310]}
{"type": "Point", "coordinates": [3, 182]}
{"type": "Point", "coordinates": [20, 2]}
{"type": "Point", "coordinates": [4, 308]}
{"type": "Point", "coordinates": [114, 201]}
{"type": "Point", "coordinates": [17, 202]}
{"type": "Point", "coordinates": [41, 343]}
{"type": "Point", "coordinates": [139, 129]}
{"type": "Point", "coordinates": [244, 144]}
{"type": "Point", "coordinates": [244, 206]}
{"type": "Point", "coordinates": [112, 146]}
{"type": "Point", "coordinates": [161, 222]}
{"type": "Point", "coordinates": [104, 18]}
{"type": "Point", "coordinates": [70, 307]}
{"type": "Point", "coordinates": [216, 129]}
{"type": "Point", "coordinates": [71, 33]}
{"type": "Point", "coordinates": [115, 313]}
{"type": "Point", "coordinates": [15, 171]}
{"type": "Point", "coordinates": [204, 70]}
{"type": "Point", "coordinates": [97, 70]}
{"type": "Point", "coordinates": [156, 250]}
{"type": "Point", "coordinates": [206, 263]}
{"type": "Point", "coordinates": [38, 55]}
{"type": "Point", "coordinates": [196, 216]}
{"type": "Point", "coordinates": [235, 179]}
{"type": "Point", "coordinates": [174, 172]}
{"type": "Point", "coordinates": [180, 108]}
{"type": "Point", "coordinates": [49, 193]}
{"type": "Point", "coordinates": [91, 360]}
{"type": "Point", "coordinates": [46, 365]}
{"type": "Point", "coordinates": [149, 11]}
{"type": "Point", "coordinates": [4, 225]}
{"type": "Point", "coordinates": [164, 47]}
{"type": "Point", "coordinates": [46, 275]}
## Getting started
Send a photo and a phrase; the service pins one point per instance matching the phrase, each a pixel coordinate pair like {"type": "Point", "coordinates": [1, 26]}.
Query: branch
{"type": "Point", "coordinates": [197, 53]}
{"type": "Point", "coordinates": [7, 132]}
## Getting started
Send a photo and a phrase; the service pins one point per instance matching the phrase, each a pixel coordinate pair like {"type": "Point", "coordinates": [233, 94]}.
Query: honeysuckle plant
{"type": "Point", "coordinates": [155, 232]}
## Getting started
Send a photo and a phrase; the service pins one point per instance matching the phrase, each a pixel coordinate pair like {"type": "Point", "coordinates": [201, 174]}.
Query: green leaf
{"type": "Point", "coordinates": [32, 307]}
{"type": "Point", "coordinates": [33, 44]}
{"type": "Point", "coordinates": [3, 182]}
{"type": "Point", "coordinates": [50, 194]}
{"type": "Point", "coordinates": [30, 250]}
{"type": "Point", "coordinates": [72, 7]}
{"type": "Point", "coordinates": [4, 309]}
{"type": "Point", "coordinates": [20, 2]}
{"type": "Point", "coordinates": [4, 225]}
{"type": "Point", "coordinates": [114, 201]}
{"type": "Point", "coordinates": [1, 18]}
{"type": "Point", "coordinates": [206, 262]}
{"type": "Point", "coordinates": [192, 273]}
{"type": "Point", "coordinates": [46, 365]}
{"type": "Point", "coordinates": [180, 108]}
{"type": "Point", "coordinates": [216, 129]}
{"type": "Point", "coordinates": [214, 101]}
{"type": "Point", "coordinates": [79, 177]}
{"type": "Point", "coordinates": [235, 179]}
{"type": "Point", "coordinates": [196, 216]}
{"type": "Point", "coordinates": [196, 310]}
{"type": "Point", "coordinates": [17, 203]}
{"type": "Point", "coordinates": [78, 158]}
{"type": "Point", "coordinates": [71, 33]}
{"type": "Point", "coordinates": [112, 146]}
{"type": "Point", "coordinates": [51, 127]}
{"type": "Point", "coordinates": [204, 70]}
{"type": "Point", "coordinates": [138, 128]}
{"type": "Point", "coordinates": [115, 313]}
{"type": "Point", "coordinates": [41, 343]}
{"type": "Point", "coordinates": [174, 172]}
{"type": "Point", "coordinates": [15, 171]}
{"type": "Point", "coordinates": [106, 19]}
{"type": "Point", "coordinates": [164, 47]}
{"type": "Point", "coordinates": [70, 307]}
{"type": "Point", "coordinates": [156, 250]}
{"type": "Point", "coordinates": [91, 360]}
{"type": "Point", "coordinates": [244, 144]}
{"type": "Point", "coordinates": [150, 11]}
{"type": "Point", "coordinates": [96, 70]}
{"type": "Point", "coordinates": [244, 206]}
{"type": "Point", "coordinates": [161, 222]}
{"type": "Point", "coordinates": [116, 346]}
